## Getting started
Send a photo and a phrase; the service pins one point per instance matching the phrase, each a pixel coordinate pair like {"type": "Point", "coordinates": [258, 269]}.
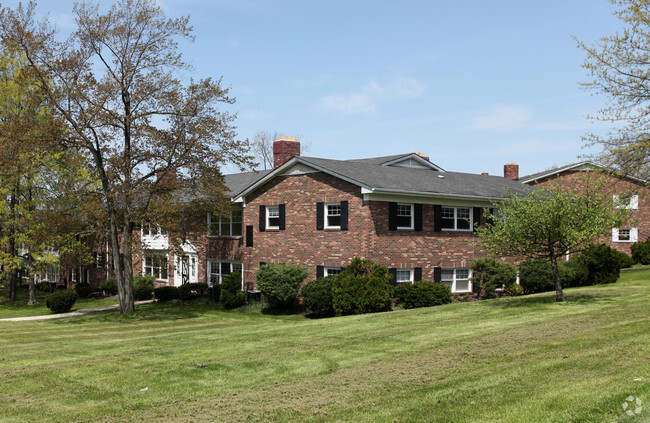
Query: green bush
{"type": "Point", "coordinates": [231, 294]}
{"type": "Point", "coordinates": [512, 290]}
{"type": "Point", "coordinates": [488, 275]}
{"type": "Point", "coordinates": [317, 296]}
{"type": "Point", "coordinates": [280, 283]}
{"type": "Point", "coordinates": [165, 293]}
{"type": "Point", "coordinates": [192, 291]}
{"type": "Point", "coordinates": [45, 287]}
{"type": "Point", "coordinates": [144, 280]}
{"type": "Point", "coordinates": [363, 287]}
{"type": "Point", "coordinates": [536, 276]}
{"type": "Point", "coordinates": [602, 264]}
{"type": "Point", "coordinates": [641, 252]}
{"type": "Point", "coordinates": [61, 301]}
{"type": "Point", "coordinates": [214, 293]}
{"type": "Point", "coordinates": [83, 289]}
{"type": "Point", "coordinates": [624, 260]}
{"type": "Point", "coordinates": [109, 286]}
{"type": "Point", "coordinates": [143, 287]}
{"type": "Point", "coordinates": [422, 294]}
{"type": "Point", "coordinates": [572, 273]}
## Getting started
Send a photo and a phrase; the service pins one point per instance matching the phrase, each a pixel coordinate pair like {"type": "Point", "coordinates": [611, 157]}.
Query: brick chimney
{"type": "Point", "coordinates": [484, 173]}
{"type": "Point", "coordinates": [511, 171]}
{"type": "Point", "coordinates": [166, 178]}
{"type": "Point", "coordinates": [284, 149]}
{"type": "Point", "coordinates": [424, 156]}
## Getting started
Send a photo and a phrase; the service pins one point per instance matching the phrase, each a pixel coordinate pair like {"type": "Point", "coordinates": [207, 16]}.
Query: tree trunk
{"type": "Point", "coordinates": [127, 262]}
{"type": "Point", "coordinates": [559, 296]}
{"type": "Point", "coordinates": [11, 285]}
{"type": "Point", "coordinates": [32, 289]}
{"type": "Point", "coordinates": [123, 292]}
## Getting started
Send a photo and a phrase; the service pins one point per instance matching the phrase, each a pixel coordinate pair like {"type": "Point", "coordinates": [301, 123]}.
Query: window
{"type": "Point", "coordinates": [230, 225]}
{"type": "Point", "coordinates": [457, 279]}
{"type": "Point", "coordinates": [100, 260]}
{"type": "Point", "coordinates": [273, 217]}
{"type": "Point", "coordinates": [456, 218]}
{"type": "Point", "coordinates": [624, 235]}
{"type": "Point", "coordinates": [404, 216]}
{"type": "Point", "coordinates": [217, 269]}
{"type": "Point", "coordinates": [156, 264]}
{"type": "Point", "coordinates": [152, 230]}
{"type": "Point", "coordinates": [626, 202]}
{"type": "Point", "coordinates": [404, 275]}
{"type": "Point", "coordinates": [52, 272]}
{"type": "Point", "coordinates": [333, 218]}
{"type": "Point", "coordinates": [331, 271]}
{"type": "Point", "coordinates": [74, 274]}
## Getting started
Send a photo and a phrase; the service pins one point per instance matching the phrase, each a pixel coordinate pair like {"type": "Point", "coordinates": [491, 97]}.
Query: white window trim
{"type": "Point", "coordinates": [634, 235]}
{"type": "Point", "coordinates": [159, 254]}
{"type": "Point", "coordinates": [268, 215]}
{"type": "Point", "coordinates": [327, 226]}
{"type": "Point", "coordinates": [633, 203]}
{"type": "Point", "coordinates": [456, 218]}
{"type": "Point", "coordinates": [152, 230]}
{"type": "Point", "coordinates": [412, 217]}
{"type": "Point", "coordinates": [217, 223]}
{"type": "Point", "coordinates": [410, 279]}
{"type": "Point", "coordinates": [327, 270]}
{"type": "Point", "coordinates": [220, 275]}
{"type": "Point", "coordinates": [453, 281]}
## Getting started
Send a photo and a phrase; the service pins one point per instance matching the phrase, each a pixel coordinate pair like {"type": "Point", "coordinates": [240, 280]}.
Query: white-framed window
{"type": "Point", "coordinates": [404, 275]}
{"type": "Point", "coordinates": [457, 279]}
{"type": "Point", "coordinates": [273, 217]}
{"type": "Point", "coordinates": [456, 218]}
{"type": "Point", "coordinates": [230, 225]}
{"type": "Point", "coordinates": [625, 235]}
{"type": "Point", "coordinates": [331, 271]}
{"type": "Point", "coordinates": [332, 215]}
{"type": "Point", "coordinates": [626, 202]}
{"type": "Point", "coordinates": [74, 274]}
{"type": "Point", "coordinates": [152, 230]}
{"type": "Point", "coordinates": [218, 269]}
{"type": "Point", "coordinates": [100, 260]}
{"type": "Point", "coordinates": [156, 264]}
{"type": "Point", "coordinates": [52, 272]}
{"type": "Point", "coordinates": [404, 216]}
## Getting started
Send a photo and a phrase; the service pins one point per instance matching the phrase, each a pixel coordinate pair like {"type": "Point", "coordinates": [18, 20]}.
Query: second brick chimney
{"type": "Point", "coordinates": [511, 171]}
{"type": "Point", "coordinates": [167, 178]}
{"type": "Point", "coordinates": [284, 149]}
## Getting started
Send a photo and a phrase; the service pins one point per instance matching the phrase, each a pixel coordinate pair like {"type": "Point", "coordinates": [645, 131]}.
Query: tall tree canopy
{"type": "Point", "coordinates": [552, 221]}
{"type": "Point", "coordinates": [619, 65]}
{"type": "Point", "coordinates": [116, 83]}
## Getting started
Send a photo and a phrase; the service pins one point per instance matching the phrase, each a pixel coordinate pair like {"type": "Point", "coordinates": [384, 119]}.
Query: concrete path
{"type": "Point", "coordinates": [74, 313]}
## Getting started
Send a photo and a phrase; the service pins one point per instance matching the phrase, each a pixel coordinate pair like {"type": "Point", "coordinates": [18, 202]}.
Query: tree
{"type": "Point", "coordinates": [619, 68]}
{"type": "Point", "coordinates": [550, 222]}
{"type": "Point", "coordinates": [154, 143]}
{"type": "Point", "coordinates": [262, 147]}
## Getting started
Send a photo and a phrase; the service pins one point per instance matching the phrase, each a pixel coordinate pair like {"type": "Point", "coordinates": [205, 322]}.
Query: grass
{"type": "Point", "coordinates": [519, 359]}
{"type": "Point", "coordinates": [19, 308]}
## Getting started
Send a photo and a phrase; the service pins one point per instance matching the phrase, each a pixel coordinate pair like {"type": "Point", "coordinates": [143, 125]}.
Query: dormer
{"type": "Point", "coordinates": [154, 237]}
{"type": "Point", "coordinates": [414, 161]}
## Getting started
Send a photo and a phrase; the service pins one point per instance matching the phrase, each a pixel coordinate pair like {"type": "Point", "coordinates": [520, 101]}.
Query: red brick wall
{"type": "Point", "coordinates": [639, 218]}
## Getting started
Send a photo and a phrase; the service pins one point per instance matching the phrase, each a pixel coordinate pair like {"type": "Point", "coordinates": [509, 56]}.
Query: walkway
{"type": "Point", "coordinates": [74, 313]}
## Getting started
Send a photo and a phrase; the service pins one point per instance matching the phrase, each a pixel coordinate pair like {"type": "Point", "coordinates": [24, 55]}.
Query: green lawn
{"type": "Point", "coordinates": [525, 359]}
{"type": "Point", "coordinates": [19, 308]}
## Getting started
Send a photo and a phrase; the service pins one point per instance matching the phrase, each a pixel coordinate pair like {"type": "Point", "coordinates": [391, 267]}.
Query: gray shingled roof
{"type": "Point", "coordinates": [578, 167]}
{"type": "Point", "coordinates": [237, 182]}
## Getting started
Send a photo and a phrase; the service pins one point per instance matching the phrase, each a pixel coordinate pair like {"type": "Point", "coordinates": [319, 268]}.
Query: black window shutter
{"type": "Point", "coordinates": [262, 218]}
{"type": "Point", "coordinates": [320, 216]}
{"type": "Point", "coordinates": [437, 218]}
{"type": "Point", "coordinates": [249, 236]}
{"type": "Point", "coordinates": [437, 274]}
{"type": "Point", "coordinates": [393, 276]}
{"type": "Point", "coordinates": [490, 219]}
{"type": "Point", "coordinates": [477, 217]}
{"type": "Point", "coordinates": [417, 218]}
{"type": "Point", "coordinates": [281, 209]}
{"type": "Point", "coordinates": [392, 216]}
{"type": "Point", "coordinates": [342, 268]}
{"type": "Point", "coordinates": [320, 272]}
{"type": "Point", "coordinates": [262, 263]}
{"type": "Point", "coordinates": [344, 215]}
{"type": "Point", "coordinates": [417, 274]}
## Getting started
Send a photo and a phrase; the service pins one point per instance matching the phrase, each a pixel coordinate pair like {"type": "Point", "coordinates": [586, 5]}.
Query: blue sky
{"type": "Point", "coordinates": [474, 84]}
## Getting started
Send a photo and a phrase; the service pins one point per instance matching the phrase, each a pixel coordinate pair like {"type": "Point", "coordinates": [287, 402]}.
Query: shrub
{"type": "Point", "coordinates": [191, 291]}
{"type": "Point", "coordinates": [602, 264]}
{"type": "Point", "coordinates": [83, 289]}
{"type": "Point", "coordinates": [45, 287]}
{"type": "Point", "coordinates": [422, 294]}
{"type": "Point", "coordinates": [280, 283]}
{"type": "Point", "coordinates": [109, 286]}
{"type": "Point", "coordinates": [317, 296]}
{"type": "Point", "coordinates": [231, 294]}
{"type": "Point", "coordinates": [624, 260]}
{"type": "Point", "coordinates": [214, 292]}
{"type": "Point", "coordinates": [536, 276]}
{"type": "Point", "coordinates": [144, 280]}
{"type": "Point", "coordinates": [143, 287]}
{"type": "Point", "coordinates": [512, 290]}
{"type": "Point", "coordinates": [61, 301]}
{"type": "Point", "coordinates": [641, 252]}
{"type": "Point", "coordinates": [363, 287]}
{"type": "Point", "coordinates": [165, 293]}
{"type": "Point", "coordinates": [489, 274]}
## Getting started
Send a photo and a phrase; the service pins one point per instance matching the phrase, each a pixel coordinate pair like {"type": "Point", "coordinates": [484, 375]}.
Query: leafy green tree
{"type": "Point", "coordinates": [619, 69]}
{"type": "Point", "coordinates": [149, 138]}
{"type": "Point", "coordinates": [550, 222]}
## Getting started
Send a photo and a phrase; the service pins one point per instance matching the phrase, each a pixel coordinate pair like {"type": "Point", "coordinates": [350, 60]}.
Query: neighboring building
{"type": "Point", "coordinates": [627, 191]}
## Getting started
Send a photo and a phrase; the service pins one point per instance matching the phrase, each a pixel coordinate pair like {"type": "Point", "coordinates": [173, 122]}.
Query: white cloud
{"type": "Point", "coordinates": [372, 96]}
{"type": "Point", "coordinates": [501, 118]}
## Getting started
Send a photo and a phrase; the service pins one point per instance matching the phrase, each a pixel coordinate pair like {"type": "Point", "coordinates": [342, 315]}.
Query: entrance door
{"type": "Point", "coordinates": [185, 269]}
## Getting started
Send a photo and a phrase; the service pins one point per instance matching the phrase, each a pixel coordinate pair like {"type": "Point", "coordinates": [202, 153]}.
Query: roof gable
{"type": "Point", "coordinates": [585, 166]}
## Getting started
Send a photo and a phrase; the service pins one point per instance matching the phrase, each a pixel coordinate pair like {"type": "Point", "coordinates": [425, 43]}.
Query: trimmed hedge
{"type": "Point", "coordinates": [143, 287]}
{"type": "Point", "coordinates": [165, 293]}
{"type": "Point", "coordinates": [61, 301]}
{"type": "Point", "coordinates": [513, 290]}
{"type": "Point", "coordinates": [489, 274]}
{"type": "Point", "coordinates": [231, 294]}
{"type": "Point", "coordinates": [363, 287]}
{"type": "Point", "coordinates": [641, 252]}
{"type": "Point", "coordinates": [422, 294]}
{"type": "Point", "coordinates": [317, 296]}
{"type": "Point", "coordinates": [109, 286]}
{"type": "Point", "coordinates": [280, 283]}
{"type": "Point", "coordinates": [192, 291]}
{"type": "Point", "coordinates": [83, 289]}
{"type": "Point", "coordinates": [624, 260]}
{"type": "Point", "coordinates": [536, 276]}
{"type": "Point", "coordinates": [602, 264]}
